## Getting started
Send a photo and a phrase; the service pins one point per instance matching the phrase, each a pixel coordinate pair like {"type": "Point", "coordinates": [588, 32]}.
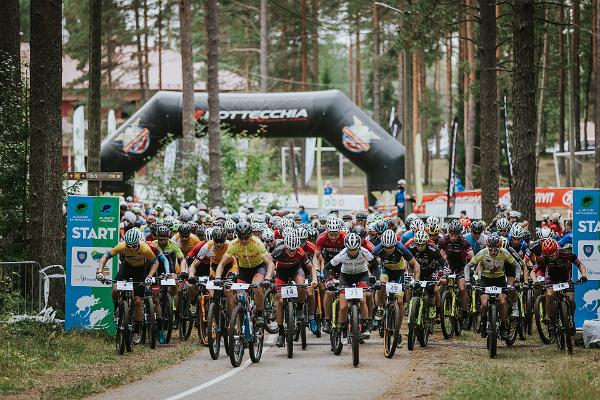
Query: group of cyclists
{"type": "Point", "coordinates": [355, 249]}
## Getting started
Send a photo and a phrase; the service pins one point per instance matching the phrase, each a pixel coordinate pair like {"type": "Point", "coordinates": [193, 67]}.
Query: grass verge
{"type": "Point", "coordinates": [39, 361]}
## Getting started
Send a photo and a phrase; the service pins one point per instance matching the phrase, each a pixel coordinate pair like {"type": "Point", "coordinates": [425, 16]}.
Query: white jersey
{"type": "Point", "coordinates": [356, 265]}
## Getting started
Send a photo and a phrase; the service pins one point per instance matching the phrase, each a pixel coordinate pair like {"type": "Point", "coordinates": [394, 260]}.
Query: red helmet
{"type": "Point", "coordinates": [549, 247]}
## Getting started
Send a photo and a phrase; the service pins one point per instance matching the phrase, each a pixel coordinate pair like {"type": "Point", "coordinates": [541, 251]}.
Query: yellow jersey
{"type": "Point", "coordinates": [249, 255]}
{"type": "Point", "coordinates": [493, 267]}
{"type": "Point", "coordinates": [188, 245]}
{"type": "Point", "coordinates": [135, 257]}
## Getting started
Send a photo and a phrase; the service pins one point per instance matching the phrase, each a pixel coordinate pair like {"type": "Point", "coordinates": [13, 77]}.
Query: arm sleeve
{"type": "Point", "coordinates": [405, 252]}
{"type": "Point", "coordinates": [202, 252]}
{"type": "Point", "coordinates": [337, 260]}
{"type": "Point", "coordinates": [178, 252]}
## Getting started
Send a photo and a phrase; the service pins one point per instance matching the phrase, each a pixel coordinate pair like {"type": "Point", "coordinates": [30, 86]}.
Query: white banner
{"type": "Point", "coordinates": [309, 159]}
{"type": "Point", "coordinates": [169, 161]}
{"type": "Point", "coordinates": [79, 145]}
{"type": "Point", "coordinates": [112, 123]}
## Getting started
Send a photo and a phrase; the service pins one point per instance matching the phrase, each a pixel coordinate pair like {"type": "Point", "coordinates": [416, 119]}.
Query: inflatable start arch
{"type": "Point", "coordinates": [328, 114]}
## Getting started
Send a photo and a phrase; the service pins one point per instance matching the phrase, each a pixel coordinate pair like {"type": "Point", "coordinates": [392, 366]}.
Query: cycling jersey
{"type": "Point", "coordinates": [309, 249]}
{"type": "Point", "coordinates": [491, 267]}
{"type": "Point", "coordinates": [456, 251]}
{"type": "Point", "coordinates": [521, 248]}
{"type": "Point", "coordinates": [406, 236]}
{"type": "Point", "coordinates": [328, 248]}
{"type": "Point", "coordinates": [367, 244]}
{"type": "Point", "coordinates": [566, 239]}
{"type": "Point", "coordinates": [137, 257]}
{"type": "Point", "coordinates": [194, 252]}
{"type": "Point", "coordinates": [249, 255]}
{"type": "Point", "coordinates": [395, 260]}
{"type": "Point", "coordinates": [430, 260]}
{"type": "Point", "coordinates": [558, 269]}
{"type": "Point", "coordinates": [163, 263]}
{"type": "Point", "coordinates": [172, 252]}
{"type": "Point", "coordinates": [476, 244]}
{"type": "Point", "coordinates": [353, 266]}
{"type": "Point", "coordinates": [188, 245]}
{"type": "Point", "coordinates": [284, 261]}
{"type": "Point", "coordinates": [209, 255]}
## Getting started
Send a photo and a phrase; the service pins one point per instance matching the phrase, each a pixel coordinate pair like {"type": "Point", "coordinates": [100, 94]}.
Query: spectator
{"type": "Point", "coordinates": [401, 199]}
{"type": "Point", "coordinates": [328, 189]}
{"type": "Point", "coordinates": [303, 215]}
{"type": "Point", "coordinates": [567, 234]}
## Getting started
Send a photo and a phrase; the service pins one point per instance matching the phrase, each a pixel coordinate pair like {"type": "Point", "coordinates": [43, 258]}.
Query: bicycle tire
{"type": "Point", "coordinates": [336, 333]}
{"type": "Point", "coordinates": [290, 328]}
{"type": "Point", "coordinates": [150, 318]}
{"type": "Point", "coordinates": [355, 326]}
{"type": "Point", "coordinates": [566, 317]}
{"type": "Point", "coordinates": [213, 330]}
{"type": "Point", "coordinates": [413, 310]}
{"type": "Point", "coordinates": [522, 324]}
{"type": "Point", "coordinates": [391, 329]}
{"type": "Point", "coordinates": [539, 310]}
{"type": "Point", "coordinates": [166, 307]}
{"type": "Point", "coordinates": [202, 313]}
{"type": "Point", "coordinates": [121, 332]}
{"type": "Point", "coordinates": [270, 311]}
{"type": "Point", "coordinates": [423, 337]}
{"type": "Point", "coordinates": [529, 303]}
{"type": "Point", "coordinates": [256, 346]}
{"type": "Point", "coordinates": [446, 322]}
{"type": "Point", "coordinates": [319, 325]}
{"type": "Point", "coordinates": [513, 330]}
{"type": "Point", "coordinates": [225, 328]}
{"type": "Point", "coordinates": [130, 326]}
{"type": "Point", "coordinates": [492, 337]}
{"type": "Point", "coordinates": [559, 327]}
{"type": "Point", "coordinates": [236, 337]}
{"type": "Point", "coordinates": [302, 326]}
{"type": "Point", "coordinates": [185, 321]}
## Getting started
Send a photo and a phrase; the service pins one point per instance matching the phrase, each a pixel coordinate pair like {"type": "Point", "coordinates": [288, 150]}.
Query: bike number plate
{"type": "Point", "coordinates": [353, 293]}
{"type": "Point", "coordinates": [423, 284]}
{"type": "Point", "coordinates": [392, 287]}
{"type": "Point", "coordinates": [240, 286]}
{"type": "Point", "coordinates": [168, 282]}
{"type": "Point", "coordinates": [557, 287]}
{"type": "Point", "coordinates": [540, 279]}
{"type": "Point", "coordinates": [453, 276]}
{"type": "Point", "coordinates": [123, 285]}
{"type": "Point", "coordinates": [203, 279]}
{"type": "Point", "coordinates": [493, 290]}
{"type": "Point", "coordinates": [289, 292]}
{"type": "Point", "coordinates": [210, 285]}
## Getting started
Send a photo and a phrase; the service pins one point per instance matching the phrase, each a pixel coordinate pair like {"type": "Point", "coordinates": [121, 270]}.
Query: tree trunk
{"type": "Point", "coordinates": [437, 89]}
{"type": "Point", "coordinates": [215, 195]}
{"type": "Point", "coordinates": [45, 153]}
{"type": "Point", "coordinates": [588, 84]}
{"type": "Point", "coordinates": [10, 31]}
{"type": "Point", "coordinates": [376, 65]}
{"type": "Point", "coordinates": [95, 95]}
{"type": "Point", "coordinates": [303, 46]}
{"type": "Point", "coordinates": [561, 89]}
{"type": "Point", "coordinates": [489, 143]}
{"type": "Point", "coordinates": [575, 62]}
{"type": "Point", "coordinates": [187, 70]}
{"type": "Point", "coordinates": [596, 52]}
{"type": "Point", "coordinates": [470, 110]}
{"type": "Point", "coordinates": [146, 51]}
{"type": "Point", "coordinates": [543, 82]}
{"type": "Point", "coordinates": [358, 80]}
{"type": "Point", "coordinates": [315, 42]}
{"type": "Point", "coordinates": [351, 71]}
{"type": "Point", "coordinates": [450, 117]}
{"type": "Point", "coordinates": [264, 37]}
{"type": "Point", "coordinates": [523, 98]}
{"type": "Point", "coordinates": [159, 18]}
{"type": "Point", "coordinates": [401, 97]}
{"type": "Point", "coordinates": [138, 41]}
{"type": "Point", "coordinates": [416, 72]}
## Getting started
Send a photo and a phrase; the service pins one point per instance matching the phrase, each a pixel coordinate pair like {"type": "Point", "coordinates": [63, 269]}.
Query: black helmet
{"type": "Point", "coordinates": [313, 233]}
{"type": "Point", "coordinates": [361, 216]}
{"type": "Point", "coordinates": [219, 234]}
{"type": "Point", "coordinates": [185, 229]}
{"type": "Point", "coordinates": [201, 232]}
{"type": "Point", "coordinates": [163, 230]}
{"type": "Point", "coordinates": [243, 228]}
{"type": "Point", "coordinates": [477, 227]}
{"type": "Point", "coordinates": [455, 227]}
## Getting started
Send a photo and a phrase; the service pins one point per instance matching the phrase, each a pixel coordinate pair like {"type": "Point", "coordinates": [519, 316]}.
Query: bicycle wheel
{"type": "Point", "coordinates": [391, 329]}
{"type": "Point", "coordinates": [413, 314]}
{"type": "Point", "coordinates": [201, 317]}
{"type": "Point", "coordinates": [236, 337]}
{"type": "Point", "coordinates": [150, 320]}
{"type": "Point", "coordinates": [290, 328]}
{"type": "Point", "coordinates": [121, 336]}
{"type": "Point", "coordinates": [423, 331]}
{"type": "Point", "coordinates": [256, 346]}
{"type": "Point", "coordinates": [224, 324]}
{"type": "Point", "coordinates": [130, 325]}
{"type": "Point", "coordinates": [186, 322]}
{"type": "Point", "coordinates": [302, 327]}
{"type": "Point", "coordinates": [447, 320]}
{"type": "Point", "coordinates": [514, 326]}
{"type": "Point", "coordinates": [539, 310]}
{"type": "Point", "coordinates": [166, 307]}
{"type": "Point", "coordinates": [529, 303]}
{"type": "Point", "coordinates": [319, 325]}
{"type": "Point", "coordinates": [336, 334]}
{"type": "Point", "coordinates": [492, 337]}
{"type": "Point", "coordinates": [269, 312]}
{"type": "Point", "coordinates": [355, 327]}
{"type": "Point", "coordinates": [566, 325]}
{"type": "Point", "coordinates": [522, 324]}
{"type": "Point", "coordinates": [213, 327]}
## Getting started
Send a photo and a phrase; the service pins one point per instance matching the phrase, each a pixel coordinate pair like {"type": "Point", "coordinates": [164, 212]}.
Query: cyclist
{"type": "Point", "coordinates": [490, 263]}
{"type": "Point", "coordinates": [433, 229]}
{"type": "Point", "coordinates": [290, 263]}
{"type": "Point", "coordinates": [254, 263]}
{"type": "Point", "coordinates": [361, 218]}
{"type": "Point", "coordinates": [456, 250]}
{"type": "Point", "coordinates": [164, 267]}
{"type": "Point", "coordinates": [556, 264]}
{"type": "Point", "coordinates": [379, 227]}
{"type": "Point", "coordinates": [416, 225]}
{"type": "Point", "coordinates": [502, 226]}
{"type": "Point", "coordinates": [353, 261]}
{"type": "Point", "coordinates": [310, 250]}
{"type": "Point", "coordinates": [392, 255]}
{"type": "Point", "coordinates": [476, 238]}
{"type": "Point", "coordinates": [518, 244]}
{"type": "Point", "coordinates": [136, 255]}
{"type": "Point", "coordinates": [185, 239]}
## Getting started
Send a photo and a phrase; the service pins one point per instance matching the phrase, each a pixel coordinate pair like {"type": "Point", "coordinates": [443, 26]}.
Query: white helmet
{"type": "Point", "coordinates": [432, 219]}
{"type": "Point", "coordinates": [421, 237]}
{"type": "Point", "coordinates": [517, 231]}
{"type": "Point", "coordinates": [546, 233]}
{"type": "Point", "coordinates": [292, 241]}
{"type": "Point", "coordinates": [352, 241]}
{"type": "Point", "coordinates": [417, 225]}
{"type": "Point", "coordinates": [229, 225]}
{"type": "Point", "coordinates": [287, 231]}
{"type": "Point", "coordinates": [409, 219]}
{"type": "Point", "coordinates": [502, 224]}
{"type": "Point", "coordinates": [333, 225]}
{"type": "Point", "coordinates": [208, 233]}
{"type": "Point", "coordinates": [389, 239]}
{"type": "Point", "coordinates": [268, 235]}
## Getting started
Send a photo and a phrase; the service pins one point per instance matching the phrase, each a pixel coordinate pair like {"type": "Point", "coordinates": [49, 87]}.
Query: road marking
{"type": "Point", "coordinates": [224, 376]}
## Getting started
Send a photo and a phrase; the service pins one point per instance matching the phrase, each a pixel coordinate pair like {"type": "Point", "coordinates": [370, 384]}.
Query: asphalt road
{"type": "Point", "coordinates": [309, 375]}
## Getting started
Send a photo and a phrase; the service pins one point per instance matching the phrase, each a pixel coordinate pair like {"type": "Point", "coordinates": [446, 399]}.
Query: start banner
{"type": "Point", "coordinates": [92, 230]}
{"type": "Point", "coordinates": [586, 244]}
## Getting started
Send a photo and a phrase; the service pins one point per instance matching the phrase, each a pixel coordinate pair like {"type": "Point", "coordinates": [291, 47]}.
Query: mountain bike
{"type": "Point", "coordinates": [390, 325]}
{"type": "Point", "coordinates": [217, 320]}
{"type": "Point", "coordinates": [317, 311]}
{"type": "Point", "coordinates": [491, 329]}
{"type": "Point", "coordinates": [243, 331]}
{"type": "Point", "coordinates": [335, 337]}
{"type": "Point", "coordinates": [451, 320]}
{"type": "Point", "coordinates": [292, 325]}
{"type": "Point", "coordinates": [353, 296]}
{"type": "Point", "coordinates": [186, 318]}
{"type": "Point", "coordinates": [542, 324]}
{"type": "Point", "coordinates": [421, 314]}
{"type": "Point", "coordinates": [125, 314]}
{"type": "Point", "coordinates": [149, 328]}
{"type": "Point", "coordinates": [201, 301]}
{"type": "Point", "coordinates": [166, 304]}
{"type": "Point", "coordinates": [269, 312]}
{"type": "Point", "coordinates": [562, 320]}
{"type": "Point", "coordinates": [474, 307]}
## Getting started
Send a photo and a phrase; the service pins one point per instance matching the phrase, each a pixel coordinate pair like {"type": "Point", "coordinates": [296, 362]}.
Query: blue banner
{"type": "Point", "coordinates": [92, 230]}
{"type": "Point", "coordinates": [586, 244]}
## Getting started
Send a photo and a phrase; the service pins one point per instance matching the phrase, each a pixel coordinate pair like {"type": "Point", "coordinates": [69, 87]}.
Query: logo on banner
{"type": "Point", "coordinates": [80, 208]}
{"type": "Point", "coordinates": [82, 256]}
{"type": "Point", "coordinates": [358, 137]}
{"type": "Point", "coordinates": [588, 250]}
{"type": "Point", "coordinates": [587, 201]}
{"type": "Point", "coordinates": [106, 208]}
{"type": "Point", "coordinates": [136, 138]}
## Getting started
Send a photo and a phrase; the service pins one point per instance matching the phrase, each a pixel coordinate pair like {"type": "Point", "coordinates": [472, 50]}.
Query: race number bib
{"type": "Point", "coordinates": [210, 285]}
{"type": "Point", "coordinates": [493, 290]}
{"type": "Point", "coordinates": [354, 293]}
{"type": "Point", "coordinates": [557, 287]}
{"type": "Point", "coordinates": [540, 279]}
{"type": "Point", "coordinates": [168, 282]}
{"type": "Point", "coordinates": [124, 285]}
{"type": "Point", "coordinates": [240, 286]}
{"type": "Point", "coordinates": [392, 287]}
{"type": "Point", "coordinates": [289, 292]}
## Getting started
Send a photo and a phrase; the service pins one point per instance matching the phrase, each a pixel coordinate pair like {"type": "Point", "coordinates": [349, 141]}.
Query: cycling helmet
{"type": "Point", "coordinates": [229, 225]}
{"type": "Point", "coordinates": [163, 231]}
{"type": "Point", "coordinates": [549, 247]}
{"type": "Point", "coordinates": [333, 225]}
{"type": "Point", "coordinates": [432, 228]}
{"type": "Point", "coordinates": [209, 232]}
{"type": "Point", "coordinates": [201, 232]}
{"type": "Point", "coordinates": [410, 218]}
{"type": "Point", "coordinates": [219, 234]}
{"type": "Point", "coordinates": [417, 225]}
{"type": "Point", "coordinates": [421, 237]}
{"type": "Point", "coordinates": [477, 227]}
{"type": "Point", "coordinates": [169, 222]}
{"type": "Point", "coordinates": [243, 228]}
{"type": "Point", "coordinates": [515, 214]}
{"type": "Point", "coordinates": [502, 224]}
{"type": "Point", "coordinates": [288, 230]}
{"type": "Point", "coordinates": [504, 242]}
{"type": "Point", "coordinates": [344, 229]}
{"type": "Point", "coordinates": [302, 234]}
{"type": "Point", "coordinates": [517, 232]}
{"type": "Point", "coordinates": [235, 218]}
{"type": "Point", "coordinates": [545, 233]}
{"type": "Point", "coordinates": [389, 239]}
{"type": "Point", "coordinates": [292, 241]}
{"type": "Point", "coordinates": [455, 227]}
{"type": "Point", "coordinates": [432, 219]}
{"type": "Point", "coordinates": [527, 236]}
{"type": "Point", "coordinates": [133, 237]}
{"type": "Point", "coordinates": [268, 235]}
{"type": "Point", "coordinates": [150, 220]}
{"type": "Point", "coordinates": [493, 241]}
{"type": "Point", "coordinates": [321, 228]}
{"type": "Point", "coordinates": [361, 216]}
{"type": "Point", "coordinates": [256, 227]}
{"type": "Point", "coordinates": [360, 231]}
{"type": "Point", "coordinates": [219, 222]}
{"type": "Point", "coordinates": [347, 217]}
{"type": "Point", "coordinates": [185, 230]}
{"type": "Point", "coordinates": [389, 221]}
{"type": "Point", "coordinates": [380, 227]}
{"type": "Point", "coordinates": [352, 241]}
{"type": "Point", "coordinates": [154, 227]}
{"type": "Point", "coordinates": [313, 233]}
{"type": "Point", "coordinates": [185, 215]}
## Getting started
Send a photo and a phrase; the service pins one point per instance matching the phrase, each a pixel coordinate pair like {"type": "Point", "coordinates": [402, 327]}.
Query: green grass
{"type": "Point", "coordinates": [52, 364]}
{"type": "Point", "coordinates": [523, 372]}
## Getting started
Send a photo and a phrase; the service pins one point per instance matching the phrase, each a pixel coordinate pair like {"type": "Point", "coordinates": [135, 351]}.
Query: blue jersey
{"type": "Point", "coordinates": [392, 261]}
{"type": "Point", "coordinates": [476, 244]}
{"type": "Point", "coordinates": [566, 239]}
{"type": "Point", "coordinates": [400, 200]}
{"type": "Point", "coordinates": [406, 236]}
{"type": "Point", "coordinates": [522, 248]}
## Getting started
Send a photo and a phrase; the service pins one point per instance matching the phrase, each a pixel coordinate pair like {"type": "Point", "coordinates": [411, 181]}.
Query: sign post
{"type": "Point", "coordinates": [586, 244]}
{"type": "Point", "coordinates": [92, 230]}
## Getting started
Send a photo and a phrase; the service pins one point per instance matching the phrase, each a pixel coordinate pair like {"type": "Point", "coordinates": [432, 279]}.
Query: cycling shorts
{"type": "Point", "coordinates": [510, 270]}
{"type": "Point", "coordinates": [557, 275]}
{"type": "Point", "coordinates": [392, 275]}
{"type": "Point", "coordinates": [287, 275]}
{"type": "Point", "coordinates": [137, 274]}
{"type": "Point", "coordinates": [246, 275]}
{"type": "Point", "coordinates": [498, 282]}
{"type": "Point", "coordinates": [360, 280]}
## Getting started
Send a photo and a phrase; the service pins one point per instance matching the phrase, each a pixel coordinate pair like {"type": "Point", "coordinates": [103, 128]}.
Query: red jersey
{"type": "Point", "coordinates": [194, 252]}
{"type": "Point", "coordinates": [284, 261]}
{"type": "Point", "coordinates": [154, 247]}
{"type": "Point", "coordinates": [309, 249]}
{"type": "Point", "coordinates": [367, 244]}
{"type": "Point", "coordinates": [328, 248]}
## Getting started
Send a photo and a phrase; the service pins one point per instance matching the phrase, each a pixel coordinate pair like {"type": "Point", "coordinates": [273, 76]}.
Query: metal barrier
{"type": "Point", "coordinates": [31, 283]}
